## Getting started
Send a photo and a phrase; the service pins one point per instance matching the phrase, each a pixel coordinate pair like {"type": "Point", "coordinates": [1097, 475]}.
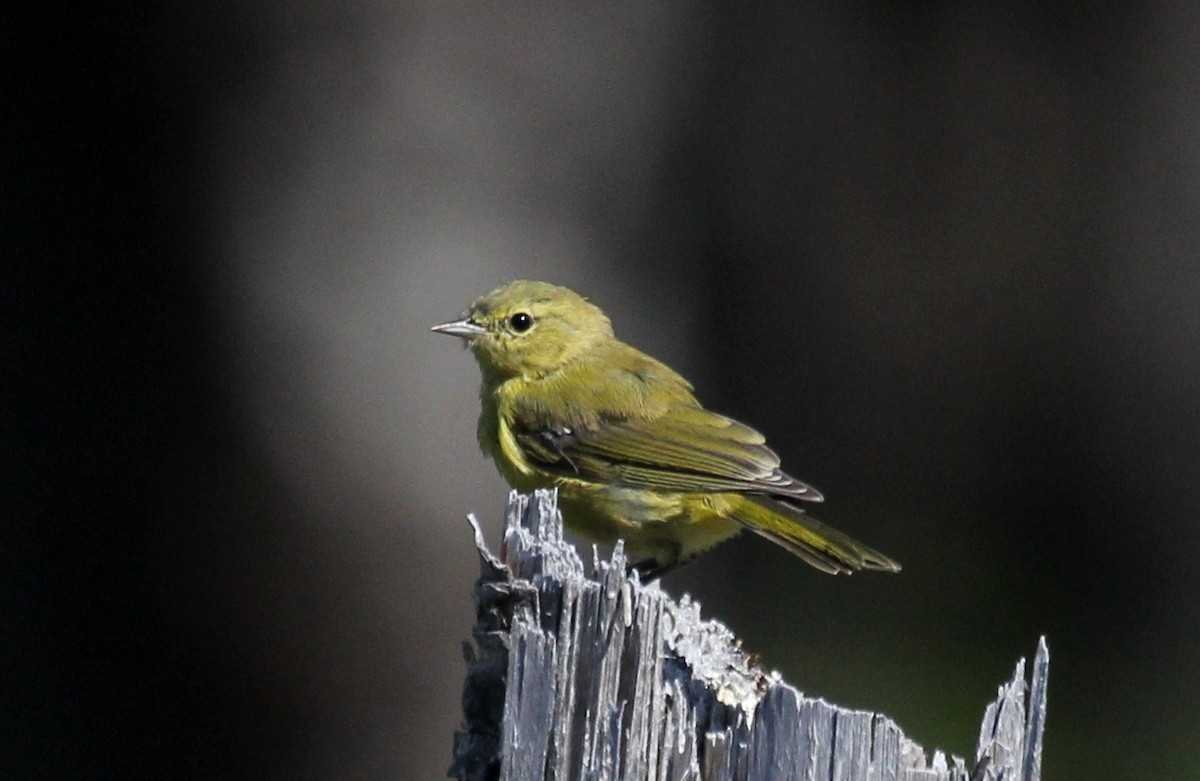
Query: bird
{"type": "Point", "coordinates": [634, 455]}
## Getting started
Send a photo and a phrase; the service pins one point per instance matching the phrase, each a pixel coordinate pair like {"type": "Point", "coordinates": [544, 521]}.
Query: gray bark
{"type": "Point", "coordinates": [594, 676]}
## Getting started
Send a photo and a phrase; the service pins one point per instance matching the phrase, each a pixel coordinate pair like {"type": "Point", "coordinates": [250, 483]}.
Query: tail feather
{"type": "Point", "coordinates": [824, 547]}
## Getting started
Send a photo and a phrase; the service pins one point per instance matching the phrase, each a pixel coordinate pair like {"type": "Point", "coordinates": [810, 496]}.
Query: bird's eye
{"type": "Point", "coordinates": [520, 322]}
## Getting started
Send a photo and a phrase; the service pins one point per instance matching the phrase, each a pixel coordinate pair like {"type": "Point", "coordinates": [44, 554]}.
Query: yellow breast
{"type": "Point", "coordinates": [496, 440]}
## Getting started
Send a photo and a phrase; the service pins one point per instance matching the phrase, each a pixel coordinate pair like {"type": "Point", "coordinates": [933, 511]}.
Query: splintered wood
{"type": "Point", "coordinates": [594, 676]}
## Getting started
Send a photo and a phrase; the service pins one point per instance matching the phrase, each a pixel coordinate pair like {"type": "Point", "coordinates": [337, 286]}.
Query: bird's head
{"type": "Point", "coordinates": [528, 328]}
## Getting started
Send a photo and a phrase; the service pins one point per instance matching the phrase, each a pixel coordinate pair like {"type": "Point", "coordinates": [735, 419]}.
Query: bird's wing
{"type": "Point", "coordinates": [686, 448]}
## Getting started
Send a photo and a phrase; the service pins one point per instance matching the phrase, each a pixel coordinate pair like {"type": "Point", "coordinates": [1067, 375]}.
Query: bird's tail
{"type": "Point", "coordinates": [822, 546]}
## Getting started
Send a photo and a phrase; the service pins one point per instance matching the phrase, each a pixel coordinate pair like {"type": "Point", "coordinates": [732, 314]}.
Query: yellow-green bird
{"type": "Point", "coordinates": [633, 454]}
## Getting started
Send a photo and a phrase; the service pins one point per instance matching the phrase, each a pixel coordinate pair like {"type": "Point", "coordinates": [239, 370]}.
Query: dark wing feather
{"type": "Point", "coordinates": [687, 449]}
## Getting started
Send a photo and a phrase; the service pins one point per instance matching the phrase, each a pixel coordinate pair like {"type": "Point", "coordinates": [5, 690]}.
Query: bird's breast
{"type": "Point", "coordinates": [496, 439]}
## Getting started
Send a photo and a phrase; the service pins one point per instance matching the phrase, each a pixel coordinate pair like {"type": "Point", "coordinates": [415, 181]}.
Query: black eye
{"type": "Point", "coordinates": [520, 322]}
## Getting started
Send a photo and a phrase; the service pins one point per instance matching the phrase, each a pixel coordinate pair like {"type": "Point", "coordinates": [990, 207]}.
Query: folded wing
{"type": "Point", "coordinates": [686, 449]}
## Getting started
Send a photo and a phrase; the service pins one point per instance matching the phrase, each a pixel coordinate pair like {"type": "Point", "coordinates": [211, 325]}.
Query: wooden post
{"type": "Point", "coordinates": [578, 676]}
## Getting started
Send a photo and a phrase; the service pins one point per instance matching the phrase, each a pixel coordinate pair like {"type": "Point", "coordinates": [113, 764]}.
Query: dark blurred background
{"type": "Point", "coordinates": [949, 261]}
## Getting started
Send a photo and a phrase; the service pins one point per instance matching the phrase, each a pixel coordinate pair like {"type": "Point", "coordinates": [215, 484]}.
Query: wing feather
{"type": "Point", "coordinates": [686, 449]}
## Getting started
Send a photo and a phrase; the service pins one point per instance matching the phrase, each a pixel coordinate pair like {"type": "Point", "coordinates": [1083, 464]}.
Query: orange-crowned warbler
{"type": "Point", "coordinates": [633, 454]}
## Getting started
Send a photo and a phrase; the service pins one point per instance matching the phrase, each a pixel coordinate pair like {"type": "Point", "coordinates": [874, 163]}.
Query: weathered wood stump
{"type": "Point", "coordinates": [580, 676]}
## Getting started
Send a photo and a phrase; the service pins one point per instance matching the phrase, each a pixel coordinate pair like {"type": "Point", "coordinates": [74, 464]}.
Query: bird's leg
{"type": "Point", "coordinates": [648, 570]}
{"type": "Point", "coordinates": [652, 568]}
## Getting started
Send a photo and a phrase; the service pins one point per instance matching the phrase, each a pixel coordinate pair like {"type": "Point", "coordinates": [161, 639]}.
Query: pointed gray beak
{"type": "Point", "coordinates": [464, 328]}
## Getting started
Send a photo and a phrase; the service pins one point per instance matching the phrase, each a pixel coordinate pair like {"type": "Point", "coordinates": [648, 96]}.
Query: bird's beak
{"type": "Point", "coordinates": [465, 328]}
